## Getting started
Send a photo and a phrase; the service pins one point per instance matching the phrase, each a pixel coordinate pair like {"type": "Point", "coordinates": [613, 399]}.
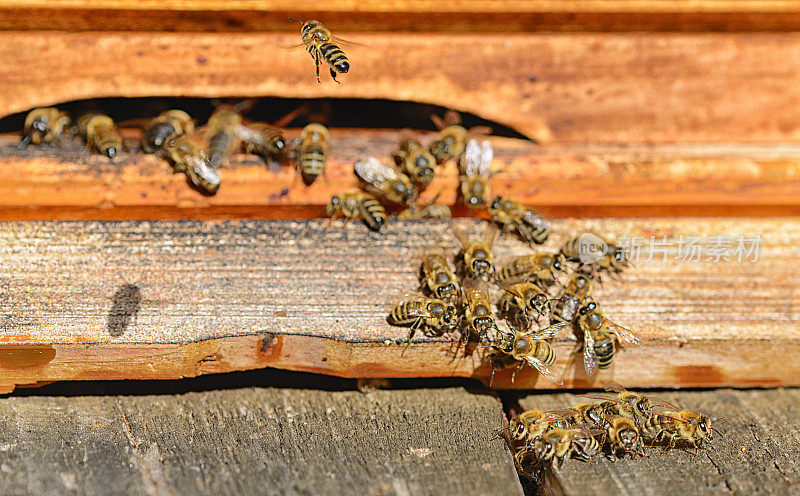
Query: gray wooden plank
{"type": "Point", "coordinates": [257, 441]}
{"type": "Point", "coordinates": [755, 455]}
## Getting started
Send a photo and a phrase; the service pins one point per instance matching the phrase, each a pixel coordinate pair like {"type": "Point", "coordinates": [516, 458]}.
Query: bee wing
{"type": "Point", "coordinates": [247, 134]}
{"type": "Point", "coordinates": [487, 155]}
{"type": "Point", "coordinates": [509, 286]}
{"type": "Point", "coordinates": [373, 172]}
{"type": "Point", "coordinates": [614, 386]}
{"type": "Point", "coordinates": [462, 237]}
{"type": "Point", "coordinates": [489, 235]}
{"type": "Point", "coordinates": [472, 284]}
{"type": "Point", "coordinates": [402, 296]}
{"type": "Point", "coordinates": [348, 42]}
{"type": "Point", "coordinates": [583, 431]}
{"type": "Point", "coordinates": [673, 416]}
{"type": "Point", "coordinates": [658, 402]}
{"type": "Point", "coordinates": [472, 158]}
{"type": "Point", "coordinates": [604, 397]}
{"type": "Point", "coordinates": [550, 331]}
{"type": "Point", "coordinates": [556, 415]}
{"type": "Point", "coordinates": [589, 356]}
{"type": "Point", "coordinates": [535, 219]}
{"type": "Point", "coordinates": [546, 371]}
{"type": "Point", "coordinates": [624, 335]}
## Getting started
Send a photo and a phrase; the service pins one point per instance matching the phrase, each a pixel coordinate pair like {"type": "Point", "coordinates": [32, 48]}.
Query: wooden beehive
{"type": "Point", "coordinates": [659, 136]}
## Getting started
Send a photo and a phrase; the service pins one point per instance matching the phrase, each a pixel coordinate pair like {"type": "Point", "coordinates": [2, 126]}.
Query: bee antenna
{"type": "Point", "coordinates": [24, 143]}
{"type": "Point", "coordinates": [297, 20]}
{"type": "Point", "coordinates": [719, 433]}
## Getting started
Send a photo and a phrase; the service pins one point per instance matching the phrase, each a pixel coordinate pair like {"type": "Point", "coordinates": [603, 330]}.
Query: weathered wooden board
{"type": "Point", "coordinates": [435, 15]}
{"type": "Point", "coordinates": [67, 183]}
{"type": "Point", "coordinates": [257, 441]}
{"type": "Point", "coordinates": [756, 453]}
{"type": "Point", "coordinates": [154, 300]}
{"type": "Point", "coordinates": [560, 87]}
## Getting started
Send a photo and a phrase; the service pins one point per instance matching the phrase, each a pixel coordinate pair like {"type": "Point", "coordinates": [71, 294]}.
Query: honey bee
{"type": "Point", "coordinates": [452, 138]}
{"type": "Point", "coordinates": [475, 257]}
{"type": "Point", "coordinates": [673, 427]}
{"type": "Point", "coordinates": [420, 312]}
{"type": "Point", "coordinates": [474, 178]}
{"type": "Point", "coordinates": [385, 181]}
{"type": "Point", "coordinates": [43, 125]}
{"type": "Point", "coordinates": [623, 435]}
{"type": "Point", "coordinates": [430, 211]}
{"type": "Point", "coordinates": [313, 152]}
{"type": "Point", "coordinates": [354, 203]}
{"type": "Point", "coordinates": [320, 43]}
{"type": "Point", "coordinates": [556, 445]}
{"type": "Point", "coordinates": [589, 414]}
{"type": "Point", "coordinates": [165, 127]}
{"type": "Point", "coordinates": [601, 338]}
{"type": "Point", "coordinates": [531, 424]}
{"type": "Point", "coordinates": [539, 268]}
{"type": "Point", "coordinates": [100, 133]}
{"type": "Point", "coordinates": [262, 139]}
{"type": "Point", "coordinates": [513, 217]}
{"type": "Point", "coordinates": [569, 302]}
{"type": "Point", "coordinates": [518, 348]}
{"type": "Point", "coordinates": [523, 299]}
{"type": "Point", "coordinates": [188, 158]}
{"type": "Point", "coordinates": [629, 404]}
{"type": "Point", "coordinates": [438, 277]}
{"type": "Point", "coordinates": [479, 316]}
{"type": "Point", "coordinates": [595, 254]}
{"type": "Point", "coordinates": [224, 130]}
{"type": "Point", "coordinates": [415, 160]}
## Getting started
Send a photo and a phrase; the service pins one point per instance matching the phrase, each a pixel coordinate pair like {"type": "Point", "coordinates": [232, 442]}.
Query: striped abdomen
{"type": "Point", "coordinates": [373, 212]}
{"type": "Point", "coordinates": [156, 136]}
{"type": "Point", "coordinates": [570, 249]}
{"type": "Point", "coordinates": [406, 313]}
{"type": "Point", "coordinates": [334, 56]}
{"type": "Point", "coordinates": [544, 352]}
{"type": "Point", "coordinates": [533, 233]}
{"type": "Point", "coordinates": [312, 160]}
{"type": "Point", "coordinates": [218, 147]}
{"type": "Point", "coordinates": [108, 141]}
{"type": "Point", "coordinates": [604, 349]}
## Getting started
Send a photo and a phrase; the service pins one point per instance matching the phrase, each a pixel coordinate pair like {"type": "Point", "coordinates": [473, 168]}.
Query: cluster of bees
{"type": "Point", "coordinates": [618, 425]}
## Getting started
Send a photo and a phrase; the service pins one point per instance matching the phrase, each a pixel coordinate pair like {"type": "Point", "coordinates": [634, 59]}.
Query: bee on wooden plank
{"type": "Point", "coordinates": [451, 140]}
{"type": "Point", "coordinates": [43, 125]}
{"type": "Point", "coordinates": [475, 257]}
{"type": "Point", "coordinates": [265, 140]}
{"type": "Point", "coordinates": [679, 426]}
{"type": "Point", "coordinates": [601, 338]}
{"type": "Point", "coordinates": [623, 436]}
{"type": "Point", "coordinates": [432, 315]}
{"type": "Point", "coordinates": [353, 204]}
{"type": "Point", "coordinates": [514, 218]}
{"type": "Point", "coordinates": [479, 316]}
{"type": "Point", "coordinates": [313, 151]}
{"type": "Point", "coordinates": [322, 46]}
{"type": "Point", "coordinates": [571, 299]}
{"type": "Point", "coordinates": [385, 181]}
{"type": "Point", "coordinates": [224, 132]}
{"type": "Point", "coordinates": [187, 157]}
{"type": "Point", "coordinates": [415, 160]}
{"type": "Point", "coordinates": [523, 302]}
{"type": "Point", "coordinates": [630, 404]}
{"type": "Point", "coordinates": [165, 127]}
{"type": "Point", "coordinates": [529, 425]}
{"type": "Point", "coordinates": [518, 348]}
{"type": "Point", "coordinates": [438, 277]}
{"type": "Point", "coordinates": [595, 254]}
{"type": "Point", "coordinates": [101, 134]}
{"type": "Point", "coordinates": [539, 268]}
{"type": "Point", "coordinates": [556, 445]}
{"type": "Point", "coordinates": [431, 211]}
{"type": "Point", "coordinates": [476, 169]}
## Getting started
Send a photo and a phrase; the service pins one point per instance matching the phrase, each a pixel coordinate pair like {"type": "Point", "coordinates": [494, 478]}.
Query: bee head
{"type": "Point", "coordinates": [495, 204]}
{"type": "Point", "coordinates": [628, 438]}
{"type": "Point", "coordinates": [333, 205]}
{"type": "Point", "coordinates": [588, 308]}
{"type": "Point", "coordinates": [40, 124]}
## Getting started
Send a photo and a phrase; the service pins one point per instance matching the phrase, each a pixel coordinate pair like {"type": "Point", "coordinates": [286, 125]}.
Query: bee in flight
{"type": "Point", "coordinates": [321, 44]}
{"type": "Point", "coordinates": [164, 128]}
{"type": "Point", "coordinates": [354, 203]}
{"type": "Point", "coordinates": [43, 125]}
{"type": "Point", "coordinates": [385, 181]}
{"type": "Point", "coordinates": [513, 217]}
{"type": "Point", "coordinates": [420, 312]}
{"type": "Point", "coordinates": [601, 338]}
{"type": "Point", "coordinates": [451, 141]}
{"type": "Point", "coordinates": [519, 348]}
{"type": "Point", "coordinates": [476, 169]}
{"type": "Point", "coordinates": [188, 158]}
{"type": "Point", "coordinates": [100, 134]}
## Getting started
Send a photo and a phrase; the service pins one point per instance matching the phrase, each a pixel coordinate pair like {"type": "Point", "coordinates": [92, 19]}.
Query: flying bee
{"type": "Point", "coordinates": [165, 127]}
{"type": "Point", "coordinates": [539, 268]}
{"type": "Point", "coordinates": [262, 139]}
{"type": "Point", "coordinates": [313, 152]}
{"type": "Point", "coordinates": [513, 217]}
{"type": "Point", "coordinates": [385, 181]}
{"type": "Point", "coordinates": [420, 312]}
{"type": "Point", "coordinates": [224, 132]}
{"type": "Point", "coordinates": [629, 404]}
{"type": "Point", "coordinates": [452, 138]}
{"type": "Point", "coordinates": [595, 254]}
{"type": "Point", "coordinates": [556, 445]}
{"type": "Point", "coordinates": [354, 204]}
{"type": "Point", "coordinates": [571, 299]}
{"type": "Point", "coordinates": [518, 348]}
{"type": "Point", "coordinates": [477, 169]}
{"type": "Point", "coordinates": [475, 258]}
{"type": "Point", "coordinates": [479, 316]}
{"type": "Point", "coordinates": [673, 427]}
{"type": "Point", "coordinates": [531, 424]}
{"type": "Point", "coordinates": [601, 338]}
{"type": "Point", "coordinates": [438, 277]}
{"type": "Point", "coordinates": [415, 160]}
{"type": "Point", "coordinates": [43, 125]}
{"type": "Point", "coordinates": [188, 158]}
{"type": "Point", "coordinates": [100, 133]}
{"type": "Point", "coordinates": [623, 435]}
{"type": "Point", "coordinates": [320, 43]}
{"type": "Point", "coordinates": [523, 301]}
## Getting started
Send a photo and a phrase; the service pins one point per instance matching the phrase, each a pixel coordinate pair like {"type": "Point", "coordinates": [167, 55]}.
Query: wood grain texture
{"type": "Point", "coordinates": [437, 15]}
{"type": "Point", "coordinates": [313, 296]}
{"type": "Point", "coordinates": [755, 455]}
{"type": "Point", "coordinates": [67, 183]}
{"type": "Point", "coordinates": [257, 441]}
{"type": "Point", "coordinates": [551, 87]}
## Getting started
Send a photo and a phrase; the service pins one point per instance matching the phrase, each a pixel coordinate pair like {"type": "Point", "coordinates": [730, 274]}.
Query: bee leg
{"type": "Point", "coordinates": [491, 378]}
{"type": "Point", "coordinates": [316, 61]}
{"type": "Point", "coordinates": [516, 369]}
{"type": "Point", "coordinates": [333, 75]}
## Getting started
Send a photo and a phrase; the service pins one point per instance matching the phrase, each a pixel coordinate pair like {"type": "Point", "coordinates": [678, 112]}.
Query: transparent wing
{"type": "Point", "coordinates": [373, 172]}
{"type": "Point", "coordinates": [615, 387]}
{"type": "Point", "coordinates": [589, 356]}
{"type": "Point", "coordinates": [546, 371]}
{"type": "Point", "coordinates": [472, 158]}
{"type": "Point", "coordinates": [402, 296]}
{"type": "Point", "coordinates": [487, 155]}
{"type": "Point", "coordinates": [248, 134]}
{"type": "Point", "coordinates": [535, 219]}
{"type": "Point", "coordinates": [462, 237]}
{"type": "Point", "coordinates": [489, 235]}
{"type": "Point", "coordinates": [549, 332]}
{"type": "Point", "coordinates": [510, 286]}
{"type": "Point", "coordinates": [556, 415]}
{"type": "Point", "coordinates": [624, 335]}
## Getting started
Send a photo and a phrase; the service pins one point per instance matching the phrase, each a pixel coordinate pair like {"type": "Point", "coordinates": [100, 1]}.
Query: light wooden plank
{"type": "Point", "coordinates": [312, 296]}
